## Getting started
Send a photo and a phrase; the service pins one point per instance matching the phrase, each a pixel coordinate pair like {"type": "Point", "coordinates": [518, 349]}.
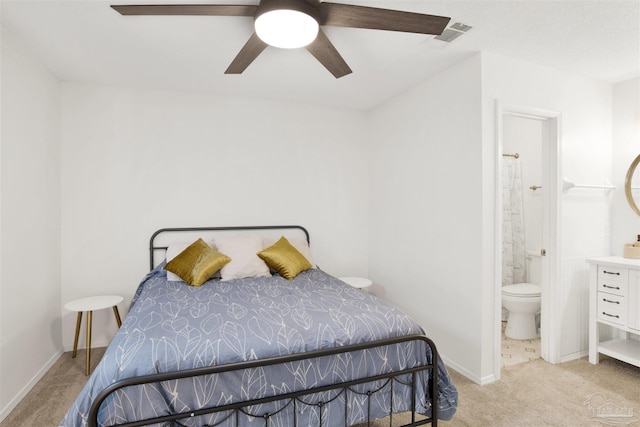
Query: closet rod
{"type": "Point", "coordinates": [515, 156]}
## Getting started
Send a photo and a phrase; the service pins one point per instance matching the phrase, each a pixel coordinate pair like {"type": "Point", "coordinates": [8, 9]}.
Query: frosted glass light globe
{"type": "Point", "coordinates": [285, 28]}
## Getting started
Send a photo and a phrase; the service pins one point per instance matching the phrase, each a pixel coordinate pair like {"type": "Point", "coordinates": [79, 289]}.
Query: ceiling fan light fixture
{"type": "Point", "coordinates": [287, 24]}
{"type": "Point", "coordinates": [295, 23]}
{"type": "Point", "coordinates": [286, 27]}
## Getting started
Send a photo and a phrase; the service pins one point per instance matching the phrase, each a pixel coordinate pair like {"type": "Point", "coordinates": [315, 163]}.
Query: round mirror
{"type": "Point", "coordinates": [631, 184]}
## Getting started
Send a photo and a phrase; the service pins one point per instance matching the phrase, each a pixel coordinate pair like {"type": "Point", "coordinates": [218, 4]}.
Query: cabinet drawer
{"type": "Point", "coordinates": [613, 280]}
{"type": "Point", "coordinates": [612, 308]}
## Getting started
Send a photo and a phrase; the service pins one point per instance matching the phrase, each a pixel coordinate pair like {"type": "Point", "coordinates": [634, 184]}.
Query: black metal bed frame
{"type": "Point", "coordinates": [289, 399]}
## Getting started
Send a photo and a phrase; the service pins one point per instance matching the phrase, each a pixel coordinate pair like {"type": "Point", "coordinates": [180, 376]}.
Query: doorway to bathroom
{"type": "Point", "coordinates": [527, 202]}
{"type": "Point", "coordinates": [522, 213]}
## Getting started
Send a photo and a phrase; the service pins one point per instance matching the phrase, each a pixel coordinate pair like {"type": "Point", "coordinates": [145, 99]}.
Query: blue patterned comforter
{"type": "Point", "coordinates": [172, 326]}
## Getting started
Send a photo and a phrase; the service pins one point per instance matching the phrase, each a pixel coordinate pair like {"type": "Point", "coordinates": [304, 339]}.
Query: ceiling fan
{"type": "Point", "coordinates": [296, 23]}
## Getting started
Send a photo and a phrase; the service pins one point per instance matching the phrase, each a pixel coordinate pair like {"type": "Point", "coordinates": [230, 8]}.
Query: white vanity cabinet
{"type": "Point", "coordinates": [634, 300]}
{"type": "Point", "coordinates": [614, 318]}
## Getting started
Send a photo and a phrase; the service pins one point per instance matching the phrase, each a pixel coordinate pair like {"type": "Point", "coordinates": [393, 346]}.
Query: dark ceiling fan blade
{"type": "Point", "coordinates": [247, 54]}
{"type": "Point", "coordinates": [186, 9]}
{"type": "Point", "coordinates": [346, 15]}
{"type": "Point", "coordinates": [328, 55]}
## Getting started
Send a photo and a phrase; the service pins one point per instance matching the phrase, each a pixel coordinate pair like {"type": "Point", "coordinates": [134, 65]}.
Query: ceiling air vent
{"type": "Point", "coordinates": [453, 32]}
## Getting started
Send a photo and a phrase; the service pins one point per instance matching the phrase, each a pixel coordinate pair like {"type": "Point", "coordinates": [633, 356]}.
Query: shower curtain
{"type": "Point", "coordinates": [513, 247]}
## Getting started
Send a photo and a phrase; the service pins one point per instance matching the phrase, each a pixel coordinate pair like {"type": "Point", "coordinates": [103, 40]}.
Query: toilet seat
{"type": "Point", "coordinates": [522, 290]}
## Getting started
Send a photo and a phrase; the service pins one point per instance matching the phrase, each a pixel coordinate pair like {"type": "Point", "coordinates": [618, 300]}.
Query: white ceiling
{"type": "Point", "coordinates": [87, 41]}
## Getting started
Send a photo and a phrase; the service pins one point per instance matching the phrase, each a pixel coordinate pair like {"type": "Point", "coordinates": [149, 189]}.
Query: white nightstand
{"type": "Point", "coordinates": [357, 282]}
{"type": "Point", "coordinates": [89, 305]}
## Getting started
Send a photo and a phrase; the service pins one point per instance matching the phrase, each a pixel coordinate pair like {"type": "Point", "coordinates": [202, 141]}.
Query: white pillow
{"type": "Point", "coordinates": [300, 244]}
{"type": "Point", "coordinates": [244, 262]}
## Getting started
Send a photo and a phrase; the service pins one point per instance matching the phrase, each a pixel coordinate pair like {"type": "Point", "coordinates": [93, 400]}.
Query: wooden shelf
{"type": "Point", "coordinates": [626, 350]}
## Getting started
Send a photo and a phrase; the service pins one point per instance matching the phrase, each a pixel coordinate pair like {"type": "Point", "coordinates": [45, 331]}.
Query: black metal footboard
{"type": "Point", "coordinates": [292, 401]}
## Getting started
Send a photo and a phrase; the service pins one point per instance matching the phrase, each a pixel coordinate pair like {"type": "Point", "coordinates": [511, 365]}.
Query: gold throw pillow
{"type": "Point", "coordinates": [197, 263]}
{"type": "Point", "coordinates": [285, 259]}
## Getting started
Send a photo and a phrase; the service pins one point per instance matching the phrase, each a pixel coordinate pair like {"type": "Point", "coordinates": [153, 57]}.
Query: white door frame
{"type": "Point", "coordinates": [551, 237]}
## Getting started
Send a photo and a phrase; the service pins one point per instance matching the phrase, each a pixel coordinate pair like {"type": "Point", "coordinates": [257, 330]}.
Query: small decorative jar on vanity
{"type": "Point", "coordinates": [614, 309]}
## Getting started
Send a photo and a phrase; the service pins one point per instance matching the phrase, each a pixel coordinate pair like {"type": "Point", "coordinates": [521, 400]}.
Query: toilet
{"type": "Point", "coordinates": [523, 302]}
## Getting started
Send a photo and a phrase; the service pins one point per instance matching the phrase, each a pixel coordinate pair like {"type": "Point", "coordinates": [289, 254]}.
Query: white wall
{"type": "Point", "coordinates": [625, 224]}
{"type": "Point", "coordinates": [134, 161]}
{"type": "Point", "coordinates": [30, 331]}
{"type": "Point", "coordinates": [585, 108]}
{"type": "Point", "coordinates": [426, 210]}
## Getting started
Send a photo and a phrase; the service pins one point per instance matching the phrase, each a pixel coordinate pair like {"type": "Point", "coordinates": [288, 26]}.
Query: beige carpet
{"type": "Point", "coordinates": [48, 402]}
{"type": "Point", "coordinates": [533, 394]}
{"type": "Point", "coordinates": [537, 393]}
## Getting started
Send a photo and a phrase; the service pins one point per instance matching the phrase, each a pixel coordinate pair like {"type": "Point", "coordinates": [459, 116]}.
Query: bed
{"type": "Point", "coordinates": [262, 351]}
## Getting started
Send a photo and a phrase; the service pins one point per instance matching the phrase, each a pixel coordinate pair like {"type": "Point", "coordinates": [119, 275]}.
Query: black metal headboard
{"type": "Point", "coordinates": [153, 247]}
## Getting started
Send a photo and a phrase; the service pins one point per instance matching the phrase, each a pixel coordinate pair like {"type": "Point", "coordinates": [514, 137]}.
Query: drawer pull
{"type": "Point", "coordinates": [612, 287]}
{"type": "Point", "coordinates": [612, 302]}
{"type": "Point", "coordinates": [617, 273]}
{"type": "Point", "coordinates": [611, 315]}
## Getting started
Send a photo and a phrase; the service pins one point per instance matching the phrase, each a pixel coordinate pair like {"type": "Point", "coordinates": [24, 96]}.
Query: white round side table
{"type": "Point", "coordinates": [357, 282]}
{"type": "Point", "coordinates": [89, 305]}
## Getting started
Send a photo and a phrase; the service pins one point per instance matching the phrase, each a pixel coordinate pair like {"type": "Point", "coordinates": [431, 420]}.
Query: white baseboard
{"type": "Point", "coordinates": [97, 344]}
{"type": "Point", "coordinates": [30, 384]}
{"type": "Point", "coordinates": [573, 356]}
{"type": "Point", "coordinates": [465, 373]}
